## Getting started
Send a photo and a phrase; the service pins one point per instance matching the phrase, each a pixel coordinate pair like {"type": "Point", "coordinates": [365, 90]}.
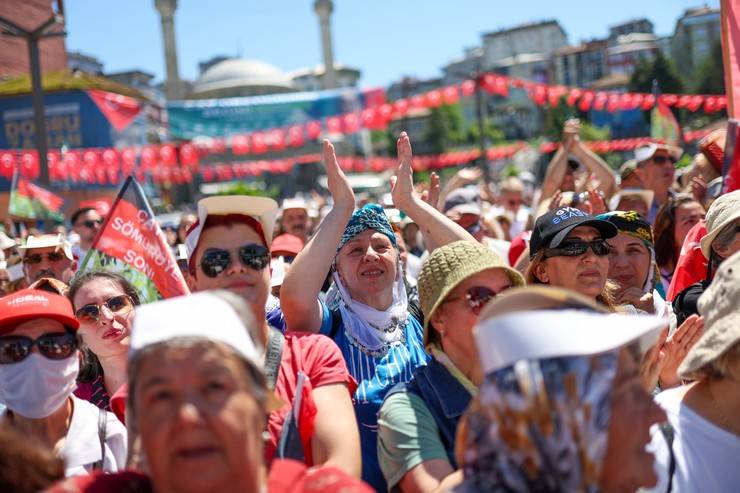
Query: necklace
{"type": "Point", "coordinates": [721, 414]}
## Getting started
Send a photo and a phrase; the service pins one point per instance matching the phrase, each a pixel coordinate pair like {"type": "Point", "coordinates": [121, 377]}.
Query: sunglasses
{"type": "Point", "coordinates": [663, 159]}
{"type": "Point", "coordinates": [92, 223]}
{"type": "Point", "coordinates": [574, 248]}
{"type": "Point", "coordinates": [117, 305]}
{"type": "Point", "coordinates": [14, 349]}
{"type": "Point", "coordinates": [37, 258]}
{"type": "Point", "coordinates": [217, 260]}
{"type": "Point", "coordinates": [476, 297]}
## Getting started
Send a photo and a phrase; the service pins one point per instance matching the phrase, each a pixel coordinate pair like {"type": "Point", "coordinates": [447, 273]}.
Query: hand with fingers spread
{"type": "Point", "coordinates": [466, 176]}
{"type": "Point", "coordinates": [677, 347]}
{"type": "Point", "coordinates": [338, 184]}
{"type": "Point", "coordinates": [402, 184]}
{"type": "Point", "coordinates": [653, 363]}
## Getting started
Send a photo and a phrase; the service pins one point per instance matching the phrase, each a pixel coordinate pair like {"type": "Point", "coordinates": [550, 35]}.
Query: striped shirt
{"type": "Point", "coordinates": [94, 392]}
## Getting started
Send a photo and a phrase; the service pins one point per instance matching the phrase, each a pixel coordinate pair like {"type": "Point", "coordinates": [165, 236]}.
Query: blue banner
{"type": "Point", "coordinates": [72, 120]}
{"type": "Point", "coordinates": [230, 116]}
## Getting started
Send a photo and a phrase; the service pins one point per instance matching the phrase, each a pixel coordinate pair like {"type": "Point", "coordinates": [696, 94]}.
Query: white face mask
{"type": "Point", "coordinates": [38, 386]}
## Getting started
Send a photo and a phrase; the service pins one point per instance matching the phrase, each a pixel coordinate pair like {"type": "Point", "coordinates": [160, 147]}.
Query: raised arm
{"type": "Point", "coordinates": [555, 173]}
{"type": "Point", "coordinates": [463, 177]}
{"type": "Point", "coordinates": [597, 166]}
{"type": "Point", "coordinates": [436, 228]}
{"type": "Point", "coordinates": [300, 291]}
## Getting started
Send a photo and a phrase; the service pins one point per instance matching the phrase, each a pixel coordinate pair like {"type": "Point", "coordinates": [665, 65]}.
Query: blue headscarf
{"type": "Point", "coordinates": [370, 216]}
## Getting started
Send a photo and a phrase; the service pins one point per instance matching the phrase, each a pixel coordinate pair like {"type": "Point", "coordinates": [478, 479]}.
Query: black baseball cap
{"type": "Point", "coordinates": [551, 229]}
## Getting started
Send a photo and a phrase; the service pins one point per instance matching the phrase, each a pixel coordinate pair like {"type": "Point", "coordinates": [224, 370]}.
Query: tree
{"type": "Point", "coordinates": [659, 68]}
{"type": "Point", "coordinates": [709, 77]}
{"type": "Point", "coordinates": [493, 134]}
{"type": "Point", "coordinates": [445, 127]}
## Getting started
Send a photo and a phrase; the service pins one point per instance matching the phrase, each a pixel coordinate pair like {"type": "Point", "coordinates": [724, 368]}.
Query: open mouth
{"type": "Point", "coordinates": [372, 273]}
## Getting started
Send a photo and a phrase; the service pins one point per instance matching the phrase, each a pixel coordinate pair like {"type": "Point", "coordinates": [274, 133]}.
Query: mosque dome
{"type": "Point", "coordinates": [241, 77]}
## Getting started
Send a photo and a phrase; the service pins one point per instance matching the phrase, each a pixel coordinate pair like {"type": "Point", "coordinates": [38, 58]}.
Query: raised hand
{"type": "Point", "coordinates": [677, 346]}
{"type": "Point", "coordinates": [402, 184]}
{"type": "Point", "coordinates": [431, 196]}
{"type": "Point", "coordinates": [467, 176]}
{"type": "Point", "coordinates": [638, 299]}
{"type": "Point", "coordinates": [338, 184]}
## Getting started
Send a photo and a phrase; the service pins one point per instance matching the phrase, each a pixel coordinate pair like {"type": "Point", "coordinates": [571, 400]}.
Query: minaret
{"type": "Point", "coordinates": [173, 87]}
{"type": "Point", "coordinates": [323, 9]}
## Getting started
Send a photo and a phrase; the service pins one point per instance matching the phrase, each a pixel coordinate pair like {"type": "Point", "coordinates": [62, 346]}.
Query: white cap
{"type": "Point", "coordinates": [294, 203]}
{"type": "Point", "coordinates": [198, 315]}
{"type": "Point", "coordinates": [534, 335]}
{"type": "Point", "coordinates": [47, 241]}
{"type": "Point", "coordinates": [646, 196]}
{"type": "Point", "coordinates": [646, 151]}
{"type": "Point", "coordinates": [262, 209]}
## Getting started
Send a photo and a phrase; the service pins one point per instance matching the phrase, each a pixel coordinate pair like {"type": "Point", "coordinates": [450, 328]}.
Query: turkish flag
{"type": "Point", "coordinates": [118, 109]}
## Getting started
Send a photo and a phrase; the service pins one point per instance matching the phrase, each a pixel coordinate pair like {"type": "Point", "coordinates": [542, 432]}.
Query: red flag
{"type": "Point", "coordinates": [692, 265]}
{"type": "Point", "coordinates": [730, 21]}
{"type": "Point", "coordinates": [132, 244]}
{"type": "Point", "coordinates": [118, 109]}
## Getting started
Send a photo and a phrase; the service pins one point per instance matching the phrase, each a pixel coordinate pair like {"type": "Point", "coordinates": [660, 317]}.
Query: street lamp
{"type": "Point", "coordinates": [33, 38]}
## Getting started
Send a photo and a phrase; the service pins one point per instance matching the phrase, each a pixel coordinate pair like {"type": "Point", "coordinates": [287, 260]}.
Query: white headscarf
{"type": "Point", "coordinates": [373, 331]}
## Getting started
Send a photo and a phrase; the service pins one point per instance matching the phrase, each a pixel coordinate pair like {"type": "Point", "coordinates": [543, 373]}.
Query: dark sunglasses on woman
{"type": "Point", "coordinates": [661, 160]}
{"type": "Point", "coordinates": [117, 305]}
{"type": "Point", "coordinates": [574, 248]}
{"type": "Point", "coordinates": [92, 223]}
{"type": "Point", "coordinates": [476, 297]}
{"type": "Point", "coordinates": [58, 345]}
{"type": "Point", "coordinates": [216, 260]}
{"type": "Point", "coordinates": [37, 258]}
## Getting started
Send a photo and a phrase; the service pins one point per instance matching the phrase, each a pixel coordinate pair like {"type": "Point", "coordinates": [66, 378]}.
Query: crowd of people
{"type": "Point", "coordinates": [577, 334]}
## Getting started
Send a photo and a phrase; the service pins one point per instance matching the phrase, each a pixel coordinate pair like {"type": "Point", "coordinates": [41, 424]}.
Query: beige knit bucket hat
{"type": "Point", "coordinates": [450, 265]}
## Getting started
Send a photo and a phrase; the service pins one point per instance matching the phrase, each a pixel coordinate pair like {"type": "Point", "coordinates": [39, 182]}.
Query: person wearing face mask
{"type": "Point", "coordinates": [38, 369]}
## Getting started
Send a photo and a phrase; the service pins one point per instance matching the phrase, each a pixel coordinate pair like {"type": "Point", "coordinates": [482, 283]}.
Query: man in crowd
{"type": "Point", "coordinates": [463, 206]}
{"type": "Point", "coordinates": [86, 223]}
{"type": "Point", "coordinates": [295, 219]}
{"type": "Point", "coordinates": [656, 170]}
{"type": "Point", "coordinates": [48, 256]}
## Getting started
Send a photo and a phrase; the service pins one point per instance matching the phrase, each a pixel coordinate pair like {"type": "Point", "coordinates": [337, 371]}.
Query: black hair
{"type": "Point", "coordinates": [73, 219]}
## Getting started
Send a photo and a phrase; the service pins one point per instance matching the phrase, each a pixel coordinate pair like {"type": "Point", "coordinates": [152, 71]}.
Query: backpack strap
{"type": "Point", "coordinates": [102, 428]}
{"type": "Point", "coordinates": [273, 356]}
{"type": "Point", "coordinates": [669, 433]}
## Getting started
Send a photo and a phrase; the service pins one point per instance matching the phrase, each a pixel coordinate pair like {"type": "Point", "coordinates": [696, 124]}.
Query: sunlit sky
{"type": "Point", "coordinates": [386, 39]}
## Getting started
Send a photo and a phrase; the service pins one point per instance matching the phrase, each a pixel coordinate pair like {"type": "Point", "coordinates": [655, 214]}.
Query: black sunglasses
{"type": "Point", "coordinates": [14, 349]}
{"type": "Point", "coordinates": [574, 248]}
{"type": "Point", "coordinates": [663, 159]}
{"type": "Point", "coordinates": [92, 223]}
{"type": "Point", "coordinates": [216, 260]}
{"type": "Point", "coordinates": [117, 305]}
{"type": "Point", "coordinates": [37, 258]}
{"type": "Point", "coordinates": [477, 297]}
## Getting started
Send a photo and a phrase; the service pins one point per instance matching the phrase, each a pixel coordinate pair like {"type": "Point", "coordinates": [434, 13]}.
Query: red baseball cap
{"type": "Point", "coordinates": [286, 245]}
{"type": "Point", "coordinates": [31, 304]}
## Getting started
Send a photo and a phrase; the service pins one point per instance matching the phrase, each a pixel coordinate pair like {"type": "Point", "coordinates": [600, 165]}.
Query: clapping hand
{"type": "Point", "coordinates": [338, 184]}
{"type": "Point", "coordinates": [677, 346]}
{"type": "Point", "coordinates": [402, 184]}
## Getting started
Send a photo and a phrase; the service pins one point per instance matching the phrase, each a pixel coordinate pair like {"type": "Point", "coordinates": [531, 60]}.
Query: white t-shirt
{"type": "Point", "coordinates": [81, 448]}
{"type": "Point", "coordinates": [707, 457]}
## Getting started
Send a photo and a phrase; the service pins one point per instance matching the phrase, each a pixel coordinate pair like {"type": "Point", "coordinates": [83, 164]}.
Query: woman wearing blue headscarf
{"type": "Point", "coordinates": [367, 312]}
